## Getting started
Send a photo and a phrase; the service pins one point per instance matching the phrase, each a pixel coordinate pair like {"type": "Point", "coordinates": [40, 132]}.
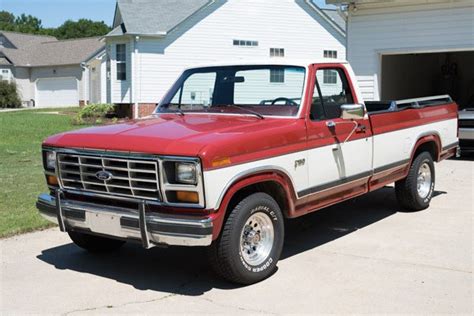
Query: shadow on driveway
{"type": "Point", "coordinates": [186, 271]}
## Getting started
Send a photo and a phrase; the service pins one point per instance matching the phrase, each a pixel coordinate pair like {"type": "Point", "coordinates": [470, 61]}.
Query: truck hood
{"type": "Point", "coordinates": [192, 135]}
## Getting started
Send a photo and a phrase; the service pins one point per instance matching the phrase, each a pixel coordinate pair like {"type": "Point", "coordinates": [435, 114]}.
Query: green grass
{"type": "Point", "coordinates": [21, 171]}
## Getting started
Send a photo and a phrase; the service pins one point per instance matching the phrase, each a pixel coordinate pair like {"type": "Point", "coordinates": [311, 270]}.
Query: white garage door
{"type": "Point", "coordinates": [56, 92]}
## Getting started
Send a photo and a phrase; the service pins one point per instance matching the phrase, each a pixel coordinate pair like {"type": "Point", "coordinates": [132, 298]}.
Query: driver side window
{"type": "Point", "coordinates": [328, 96]}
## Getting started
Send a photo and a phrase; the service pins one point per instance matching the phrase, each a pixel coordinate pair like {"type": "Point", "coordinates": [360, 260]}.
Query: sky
{"type": "Point", "coordinates": [54, 12]}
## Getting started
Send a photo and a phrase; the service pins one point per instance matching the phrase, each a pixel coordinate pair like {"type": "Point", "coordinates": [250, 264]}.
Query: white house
{"type": "Point", "coordinates": [409, 48]}
{"type": "Point", "coordinates": [48, 72]}
{"type": "Point", "coordinates": [152, 41]}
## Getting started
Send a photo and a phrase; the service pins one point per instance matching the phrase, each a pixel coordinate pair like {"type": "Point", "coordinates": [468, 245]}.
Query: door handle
{"type": "Point", "coordinates": [361, 129]}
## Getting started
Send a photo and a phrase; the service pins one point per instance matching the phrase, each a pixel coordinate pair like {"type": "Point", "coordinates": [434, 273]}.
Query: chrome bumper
{"type": "Point", "coordinates": [124, 223]}
{"type": "Point", "coordinates": [466, 133]}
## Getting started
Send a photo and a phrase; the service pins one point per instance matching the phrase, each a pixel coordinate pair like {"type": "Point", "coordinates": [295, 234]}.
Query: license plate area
{"type": "Point", "coordinates": [104, 223]}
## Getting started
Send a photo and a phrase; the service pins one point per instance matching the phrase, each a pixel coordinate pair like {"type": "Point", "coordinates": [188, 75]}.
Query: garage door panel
{"type": "Point", "coordinates": [57, 92]}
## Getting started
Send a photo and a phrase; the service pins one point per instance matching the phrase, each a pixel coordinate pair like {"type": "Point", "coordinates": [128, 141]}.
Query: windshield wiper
{"type": "Point", "coordinates": [260, 116]}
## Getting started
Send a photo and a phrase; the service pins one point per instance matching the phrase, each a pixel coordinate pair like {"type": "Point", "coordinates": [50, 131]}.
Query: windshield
{"type": "Point", "coordinates": [250, 90]}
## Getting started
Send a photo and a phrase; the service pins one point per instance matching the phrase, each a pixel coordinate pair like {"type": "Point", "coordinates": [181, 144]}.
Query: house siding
{"type": "Point", "coordinates": [120, 89]}
{"type": "Point", "coordinates": [24, 85]}
{"type": "Point", "coordinates": [208, 36]}
{"type": "Point", "coordinates": [394, 29]}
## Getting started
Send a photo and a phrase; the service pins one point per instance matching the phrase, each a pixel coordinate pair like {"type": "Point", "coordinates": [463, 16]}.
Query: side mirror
{"type": "Point", "coordinates": [353, 111]}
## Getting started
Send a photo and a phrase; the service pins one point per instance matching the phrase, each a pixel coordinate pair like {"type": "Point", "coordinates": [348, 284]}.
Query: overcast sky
{"type": "Point", "coordinates": [54, 12]}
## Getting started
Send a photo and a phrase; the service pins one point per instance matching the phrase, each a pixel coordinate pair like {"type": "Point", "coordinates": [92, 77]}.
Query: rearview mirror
{"type": "Point", "coordinates": [353, 111]}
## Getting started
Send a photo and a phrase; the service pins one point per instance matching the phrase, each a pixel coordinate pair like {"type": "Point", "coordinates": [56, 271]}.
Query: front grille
{"type": "Point", "coordinates": [466, 123]}
{"type": "Point", "coordinates": [131, 178]}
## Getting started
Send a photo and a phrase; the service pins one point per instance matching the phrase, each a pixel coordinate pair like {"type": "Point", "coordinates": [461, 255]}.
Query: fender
{"type": "Point", "coordinates": [269, 175]}
{"type": "Point", "coordinates": [429, 137]}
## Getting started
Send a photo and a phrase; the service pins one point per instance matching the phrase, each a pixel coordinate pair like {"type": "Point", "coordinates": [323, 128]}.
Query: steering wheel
{"type": "Point", "coordinates": [287, 101]}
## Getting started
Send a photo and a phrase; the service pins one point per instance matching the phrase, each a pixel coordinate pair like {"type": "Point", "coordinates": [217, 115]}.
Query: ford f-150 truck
{"type": "Point", "coordinates": [232, 151]}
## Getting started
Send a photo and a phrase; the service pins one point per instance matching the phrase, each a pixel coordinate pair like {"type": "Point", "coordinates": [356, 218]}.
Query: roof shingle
{"type": "Point", "coordinates": [53, 52]}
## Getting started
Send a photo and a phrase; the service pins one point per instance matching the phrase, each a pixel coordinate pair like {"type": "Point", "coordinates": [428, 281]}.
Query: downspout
{"type": "Point", "coordinates": [133, 70]}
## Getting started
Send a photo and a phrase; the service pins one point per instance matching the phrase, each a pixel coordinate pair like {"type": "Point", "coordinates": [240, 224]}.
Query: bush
{"type": "Point", "coordinates": [94, 114]}
{"type": "Point", "coordinates": [8, 95]}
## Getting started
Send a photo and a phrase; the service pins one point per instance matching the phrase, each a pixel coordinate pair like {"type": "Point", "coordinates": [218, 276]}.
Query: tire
{"type": "Point", "coordinates": [409, 195]}
{"type": "Point", "coordinates": [95, 244]}
{"type": "Point", "coordinates": [244, 253]}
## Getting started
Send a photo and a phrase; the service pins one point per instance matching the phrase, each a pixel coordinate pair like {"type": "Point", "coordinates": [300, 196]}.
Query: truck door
{"type": "Point", "coordinates": [339, 151]}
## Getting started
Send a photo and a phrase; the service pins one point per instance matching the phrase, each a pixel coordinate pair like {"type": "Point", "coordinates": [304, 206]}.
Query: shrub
{"type": "Point", "coordinates": [94, 113]}
{"type": "Point", "coordinates": [9, 95]}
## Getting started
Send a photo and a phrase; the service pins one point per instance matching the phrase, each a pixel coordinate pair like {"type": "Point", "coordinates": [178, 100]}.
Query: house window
{"type": "Point", "coordinates": [330, 54]}
{"type": "Point", "coordinates": [330, 76]}
{"type": "Point", "coordinates": [277, 75]}
{"type": "Point", "coordinates": [277, 52]}
{"type": "Point", "coordinates": [245, 43]}
{"type": "Point", "coordinates": [121, 58]}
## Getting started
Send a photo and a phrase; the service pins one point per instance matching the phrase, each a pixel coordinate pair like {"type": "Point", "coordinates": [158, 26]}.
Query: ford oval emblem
{"type": "Point", "coordinates": [104, 175]}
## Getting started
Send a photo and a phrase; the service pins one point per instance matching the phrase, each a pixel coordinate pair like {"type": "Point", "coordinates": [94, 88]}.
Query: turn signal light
{"type": "Point", "coordinates": [221, 162]}
{"type": "Point", "coordinates": [187, 197]}
{"type": "Point", "coordinates": [52, 180]}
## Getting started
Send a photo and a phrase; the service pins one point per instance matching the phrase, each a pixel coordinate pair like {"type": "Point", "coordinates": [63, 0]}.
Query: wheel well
{"type": "Point", "coordinates": [272, 188]}
{"type": "Point", "coordinates": [429, 147]}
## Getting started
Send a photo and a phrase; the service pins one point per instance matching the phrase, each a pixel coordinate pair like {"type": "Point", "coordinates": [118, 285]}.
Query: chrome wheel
{"type": "Point", "coordinates": [257, 238]}
{"type": "Point", "coordinates": [423, 183]}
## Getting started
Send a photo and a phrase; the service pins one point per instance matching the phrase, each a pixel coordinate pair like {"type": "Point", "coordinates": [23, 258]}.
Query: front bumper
{"type": "Point", "coordinates": [123, 223]}
{"type": "Point", "coordinates": [466, 133]}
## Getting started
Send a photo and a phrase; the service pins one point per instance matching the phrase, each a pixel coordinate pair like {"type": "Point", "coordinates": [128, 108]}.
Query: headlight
{"type": "Point", "coordinates": [186, 173]}
{"type": "Point", "coordinates": [51, 160]}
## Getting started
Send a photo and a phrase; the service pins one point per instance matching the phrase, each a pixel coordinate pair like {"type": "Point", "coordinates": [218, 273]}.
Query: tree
{"type": "Point", "coordinates": [69, 29]}
{"type": "Point", "coordinates": [81, 28]}
{"type": "Point", "coordinates": [28, 24]}
{"type": "Point", "coordinates": [7, 21]}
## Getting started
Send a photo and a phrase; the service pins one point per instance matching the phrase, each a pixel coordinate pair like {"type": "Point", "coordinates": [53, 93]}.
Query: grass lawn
{"type": "Point", "coordinates": [21, 171]}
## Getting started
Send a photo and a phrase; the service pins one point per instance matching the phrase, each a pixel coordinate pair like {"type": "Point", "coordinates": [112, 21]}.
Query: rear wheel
{"type": "Point", "coordinates": [414, 192]}
{"type": "Point", "coordinates": [95, 244]}
{"type": "Point", "coordinates": [251, 241]}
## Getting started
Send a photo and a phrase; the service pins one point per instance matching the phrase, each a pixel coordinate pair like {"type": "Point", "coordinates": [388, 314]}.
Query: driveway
{"type": "Point", "coordinates": [362, 256]}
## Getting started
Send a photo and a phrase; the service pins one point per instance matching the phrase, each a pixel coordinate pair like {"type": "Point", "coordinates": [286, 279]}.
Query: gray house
{"type": "Point", "coordinates": [48, 72]}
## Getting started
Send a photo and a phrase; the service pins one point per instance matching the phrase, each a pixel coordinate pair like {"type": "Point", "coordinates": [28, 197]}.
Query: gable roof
{"type": "Point", "coordinates": [159, 17]}
{"type": "Point", "coordinates": [22, 40]}
{"type": "Point", "coordinates": [153, 17]}
{"type": "Point", "coordinates": [54, 52]}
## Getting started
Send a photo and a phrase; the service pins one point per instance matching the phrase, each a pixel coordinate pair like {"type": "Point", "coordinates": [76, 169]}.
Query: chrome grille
{"type": "Point", "coordinates": [130, 177]}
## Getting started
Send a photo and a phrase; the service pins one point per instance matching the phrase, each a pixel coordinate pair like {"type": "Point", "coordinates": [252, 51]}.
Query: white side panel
{"type": "Point", "coordinates": [405, 29]}
{"type": "Point", "coordinates": [57, 92]}
{"type": "Point", "coordinates": [208, 37]}
{"type": "Point", "coordinates": [397, 146]}
{"type": "Point", "coordinates": [216, 181]}
{"type": "Point", "coordinates": [339, 161]}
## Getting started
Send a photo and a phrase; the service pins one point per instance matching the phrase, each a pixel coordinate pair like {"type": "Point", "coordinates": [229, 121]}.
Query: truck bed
{"type": "Point", "coordinates": [375, 107]}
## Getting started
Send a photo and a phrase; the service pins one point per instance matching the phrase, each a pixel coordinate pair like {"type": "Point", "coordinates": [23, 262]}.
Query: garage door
{"type": "Point", "coordinates": [408, 76]}
{"type": "Point", "coordinates": [56, 92]}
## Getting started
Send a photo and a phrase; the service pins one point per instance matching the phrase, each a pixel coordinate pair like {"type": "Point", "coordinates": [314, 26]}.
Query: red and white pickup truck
{"type": "Point", "coordinates": [232, 151]}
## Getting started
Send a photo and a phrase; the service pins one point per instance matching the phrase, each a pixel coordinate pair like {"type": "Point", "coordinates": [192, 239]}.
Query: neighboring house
{"type": "Point", "coordinates": [48, 72]}
{"type": "Point", "coordinates": [408, 48]}
{"type": "Point", "coordinates": [152, 41]}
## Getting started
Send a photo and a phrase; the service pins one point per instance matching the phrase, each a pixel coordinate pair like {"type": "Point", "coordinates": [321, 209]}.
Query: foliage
{"type": "Point", "coordinates": [69, 29]}
{"type": "Point", "coordinates": [81, 28]}
{"type": "Point", "coordinates": [94, 113]}
{"type": "Point", "coordinates": [21, 170]}
{"type": "Point", "coordinates": [9, 95]}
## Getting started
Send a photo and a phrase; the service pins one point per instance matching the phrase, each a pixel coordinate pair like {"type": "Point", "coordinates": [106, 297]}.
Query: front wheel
{"type": "Point", "coordinates": [414, 192]}
{"type": "Point", "coordinates": [251, 241]}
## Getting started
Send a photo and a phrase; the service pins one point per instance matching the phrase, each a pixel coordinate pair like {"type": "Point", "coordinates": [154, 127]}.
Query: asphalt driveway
{"type": "Point", "coordinates": [362, 256]}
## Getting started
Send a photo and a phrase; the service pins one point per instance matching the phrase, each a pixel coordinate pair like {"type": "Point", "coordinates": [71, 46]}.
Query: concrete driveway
{"type": "Point", "coordinates": [363, 256]}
